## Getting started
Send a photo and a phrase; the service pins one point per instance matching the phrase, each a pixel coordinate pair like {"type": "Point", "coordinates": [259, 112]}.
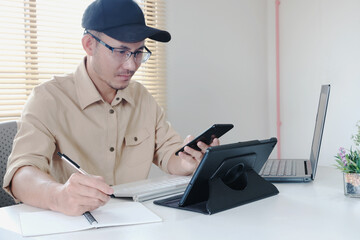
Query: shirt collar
{"type": "Point", "coordinates": [125, 94]}
{"type": "Point", "coordinates": [88, 94]}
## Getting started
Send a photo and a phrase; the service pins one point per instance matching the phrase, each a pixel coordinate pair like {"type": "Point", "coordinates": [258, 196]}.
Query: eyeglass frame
{"type": "Point", "coordinates": [113, 48]}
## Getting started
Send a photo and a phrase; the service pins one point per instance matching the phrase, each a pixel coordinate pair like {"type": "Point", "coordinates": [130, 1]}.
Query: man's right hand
{"type": "Point", "coordinates": [81, 193]}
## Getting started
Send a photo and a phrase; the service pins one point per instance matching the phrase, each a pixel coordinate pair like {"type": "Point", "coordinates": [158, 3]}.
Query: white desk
{"type": "Point", "coordinates": [316, 210]}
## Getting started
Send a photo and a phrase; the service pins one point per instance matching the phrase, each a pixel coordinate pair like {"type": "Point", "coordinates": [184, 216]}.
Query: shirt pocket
{"type": "Point", "coordinates": [136, 138]}
{"type": "Point", "coordinates": [138, 147]}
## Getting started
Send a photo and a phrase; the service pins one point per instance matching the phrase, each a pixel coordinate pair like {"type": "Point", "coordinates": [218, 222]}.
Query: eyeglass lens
{"type": "Point", "coordinates": [124, 55]}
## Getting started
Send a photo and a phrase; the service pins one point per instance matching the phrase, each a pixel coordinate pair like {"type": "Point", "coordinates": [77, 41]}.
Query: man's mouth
{"type": "Point", "coordinates": [124, 77]}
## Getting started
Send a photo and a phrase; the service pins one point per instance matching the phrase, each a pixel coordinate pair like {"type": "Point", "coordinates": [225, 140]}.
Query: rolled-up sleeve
{"type": "Point", "coordinates": [33, 144]}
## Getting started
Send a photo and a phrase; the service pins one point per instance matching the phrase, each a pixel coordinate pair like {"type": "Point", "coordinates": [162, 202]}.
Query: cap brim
{"type": "Point", "coordinates": [137, 33]}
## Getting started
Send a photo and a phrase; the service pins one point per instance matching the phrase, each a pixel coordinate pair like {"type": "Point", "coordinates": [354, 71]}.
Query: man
{"type": "Point", "coordinates": [112, 127]}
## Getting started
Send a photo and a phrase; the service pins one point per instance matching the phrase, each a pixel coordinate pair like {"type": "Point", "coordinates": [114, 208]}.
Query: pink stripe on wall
{"type": "Point", "coordinates": [278, 121]}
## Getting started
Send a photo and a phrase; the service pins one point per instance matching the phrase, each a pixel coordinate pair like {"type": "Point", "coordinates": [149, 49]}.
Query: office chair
{"type": "Point", "coordinates": [7, 134]}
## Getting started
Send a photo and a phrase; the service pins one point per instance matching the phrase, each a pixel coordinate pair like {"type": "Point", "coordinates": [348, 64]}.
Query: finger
{"type": "Point", "coordinates": [202, 146]}
{"type": "Point", "coordinates": [186, 157]}
{"type": "Point", "coordinates": [78, 210]}
{"type": "Point", "coordinates": [215, 142]}
{"type": "Point", "coordinates": [194, 153]}
{"type": "Point", "coordinates": [188, 162]}
{"type": "Point", "coordinates": [87, 186]}
{"type": "Point", "coordinates": [76, 204]}
{"type": "Point", "coordinates": [94, 191]}
{"type": "Point", "coordinates": [93, 196]}
{"type": "Point", "coordinates": [105, 188]}
{"type": "Point", "coordinates": [88, 203]}
{"type": "Point", "coordinates": [90, 208]}
{"type": "Point", "coordinates": [188, 139]}
{"type": "Point", "coordinates": [96, 182]}
{"type": "Point", "coordinates": [81, 209]}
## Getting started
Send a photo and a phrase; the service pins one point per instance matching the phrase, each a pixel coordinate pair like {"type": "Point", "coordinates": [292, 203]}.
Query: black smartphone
{"type": "Point", "coordinates": [215, 131]}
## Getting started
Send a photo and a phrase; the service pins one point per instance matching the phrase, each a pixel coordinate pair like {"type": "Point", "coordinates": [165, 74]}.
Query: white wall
{"type": "Point", "coordinates": [217, 67]}
{"type": "Point", "coordinates": [319, 44]}
{"type": "Point", "coordinates": [221, 69]}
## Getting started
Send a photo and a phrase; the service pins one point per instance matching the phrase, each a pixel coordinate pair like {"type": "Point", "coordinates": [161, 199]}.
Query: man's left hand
{"type": "Point", "coordinates": [191, 158]}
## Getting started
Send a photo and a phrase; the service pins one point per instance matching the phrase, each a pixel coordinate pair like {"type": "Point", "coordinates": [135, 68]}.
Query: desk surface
{"type": "Point", "coordinates": [315, 210]}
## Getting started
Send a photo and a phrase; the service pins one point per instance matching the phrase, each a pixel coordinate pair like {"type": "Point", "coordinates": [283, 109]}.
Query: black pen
{"type": "Point", "coordinates": [86, 214]}
{"type": "Point", "coordinates": [76, 166]}
{"type": "Point", "coordinates": [72, 163]}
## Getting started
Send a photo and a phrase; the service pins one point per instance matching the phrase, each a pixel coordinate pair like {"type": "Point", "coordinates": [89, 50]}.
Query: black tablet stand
{"type": "Point", "coordinates": [230, 186]}
{"type": "Point", "coordinates": [246, 187]}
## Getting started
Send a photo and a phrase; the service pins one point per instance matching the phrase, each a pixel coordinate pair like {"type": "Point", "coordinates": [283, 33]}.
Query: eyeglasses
{"type": "Point", "coordinates": [123, 55]}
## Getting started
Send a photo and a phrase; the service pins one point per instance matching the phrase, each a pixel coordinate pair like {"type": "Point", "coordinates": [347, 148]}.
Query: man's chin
{"type": "Point", "coordinates": [120, 86]}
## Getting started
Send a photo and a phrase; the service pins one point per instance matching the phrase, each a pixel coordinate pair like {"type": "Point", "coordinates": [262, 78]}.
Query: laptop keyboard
{"type": "Point", "coordinates": [279, 168]}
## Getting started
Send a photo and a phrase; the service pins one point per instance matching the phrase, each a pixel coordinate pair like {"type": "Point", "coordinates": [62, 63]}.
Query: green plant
{"type": "Point", "coordinates": [349, 161]}
{"type": "Point", "coordinates": [356, 137]}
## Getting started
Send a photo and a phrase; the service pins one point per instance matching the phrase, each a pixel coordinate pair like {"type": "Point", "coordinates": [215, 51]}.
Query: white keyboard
{"type": "Point", "coordinates": [152, 188]}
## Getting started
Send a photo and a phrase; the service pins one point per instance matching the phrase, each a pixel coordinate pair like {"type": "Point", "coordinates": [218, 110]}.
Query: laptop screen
{"type": "Point", "coordinates": [319, 127]}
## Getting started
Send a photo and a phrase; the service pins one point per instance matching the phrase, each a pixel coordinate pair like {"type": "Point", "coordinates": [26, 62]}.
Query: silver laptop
{"type": "Point", "coordinates": [300, 170]}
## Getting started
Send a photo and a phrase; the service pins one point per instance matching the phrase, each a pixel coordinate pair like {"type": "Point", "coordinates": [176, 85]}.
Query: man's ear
{"type": "Point", "coordinates": [88, 44]}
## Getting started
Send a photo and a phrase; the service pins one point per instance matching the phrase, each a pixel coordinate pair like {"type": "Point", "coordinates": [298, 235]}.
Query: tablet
{"type": "Point", "coordinates": [222, 160]}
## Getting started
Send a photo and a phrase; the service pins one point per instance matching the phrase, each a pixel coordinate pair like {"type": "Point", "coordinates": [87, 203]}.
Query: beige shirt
{"type": "Point", "coordinates": [118, 141]}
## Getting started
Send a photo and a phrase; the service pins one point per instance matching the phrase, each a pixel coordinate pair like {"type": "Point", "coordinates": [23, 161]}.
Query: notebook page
{"type": "Point", "coordinates": [126, 213]}
{"type": "Point", "coordinates": [112, 214]}
{"type": "Point", "coordinates": [49, 222]}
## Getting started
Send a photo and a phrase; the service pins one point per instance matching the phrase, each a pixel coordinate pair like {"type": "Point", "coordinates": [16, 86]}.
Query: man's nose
{"type": "Point", "coordinates": [130, 64]}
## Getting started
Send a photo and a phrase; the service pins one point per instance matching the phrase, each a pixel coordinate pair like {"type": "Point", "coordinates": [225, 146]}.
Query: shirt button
{"type": "Point", "coordinates": [117, 99]}
{"type": "Point", "coordinates": [112, 149]}
{"type": "Point", "coordinates": [135, 139]}
{"type": "Point", "coordinates": [111, 111]}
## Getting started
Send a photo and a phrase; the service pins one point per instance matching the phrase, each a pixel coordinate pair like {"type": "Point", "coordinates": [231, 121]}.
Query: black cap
{"type": "Point", "coordinates": [122, 20]}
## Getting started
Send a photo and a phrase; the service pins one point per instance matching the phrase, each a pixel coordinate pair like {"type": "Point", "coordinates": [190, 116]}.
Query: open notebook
{"type": "Point", "coordinates": [112, 214]}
